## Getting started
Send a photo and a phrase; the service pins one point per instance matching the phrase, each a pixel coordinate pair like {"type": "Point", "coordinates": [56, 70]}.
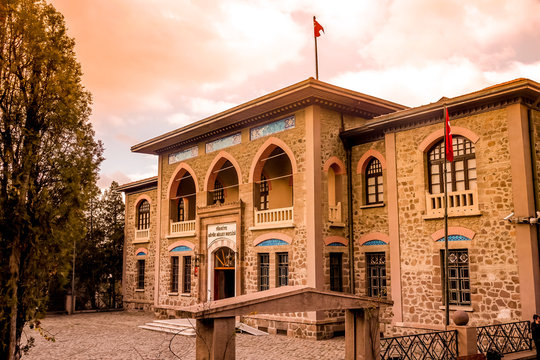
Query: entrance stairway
{"type": "Point", "coordinates": [186, 327]}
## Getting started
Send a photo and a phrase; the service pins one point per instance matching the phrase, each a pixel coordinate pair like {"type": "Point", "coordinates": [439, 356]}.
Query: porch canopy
{"type": "Point", "coordinates": [216, 319]}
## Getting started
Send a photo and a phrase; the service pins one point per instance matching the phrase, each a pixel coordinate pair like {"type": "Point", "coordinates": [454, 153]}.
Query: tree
{"type": "Point", "coordinates": [48, 160]}
{"type": "Point", "coordinates": [100, 255]}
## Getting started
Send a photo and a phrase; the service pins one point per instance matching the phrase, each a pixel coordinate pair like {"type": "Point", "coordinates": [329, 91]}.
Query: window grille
{"type": "Point", "coordinates": [264, 271]}
{"type": "Point", "coordinates": [336, 275]}
{"type": "Point", "coordinates": [140, 274]}
{"type": "Point", "coordinates": [283, 269]}
{"type": "Point", "coordinates": [459, 283]}
{"type": "Point", "coordinates": [187, 275]}
{"type": "Point", "coordinates": [174, 274]}
{"type": "Point", "coordinates": [376, 269]}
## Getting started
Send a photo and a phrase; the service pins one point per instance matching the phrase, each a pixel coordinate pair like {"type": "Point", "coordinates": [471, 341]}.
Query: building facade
{"type": "Point", "coordinates": [322, 186]}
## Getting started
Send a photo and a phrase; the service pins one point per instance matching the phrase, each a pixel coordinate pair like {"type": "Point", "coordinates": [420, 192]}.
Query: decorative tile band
{"type": "Point", "coordinates": [272, 128]}
{"type": "Point", "coordinates": [273, 242]}
{"type": "Point", "coordinates": [455, 238]}
{"type": "Point", "coordinates": [335, 244]}
{"type": "Point", "coordinates": [183, 155]}
{"type": "Point", "coordinates": [222, 143]}
{"type": "Point", "coordinates": [181, 248]}
{"type": "Point", "coordinates": [374, 242]}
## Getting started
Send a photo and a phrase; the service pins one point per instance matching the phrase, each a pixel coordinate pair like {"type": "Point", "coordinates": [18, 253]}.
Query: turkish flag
{"type": "Point", "coordinates": [317, 28]}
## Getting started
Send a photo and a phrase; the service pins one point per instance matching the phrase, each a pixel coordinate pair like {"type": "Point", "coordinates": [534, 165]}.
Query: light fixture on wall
{"type": "Point", "coordinates": [523, 219]}
{"type": "Point", "coordinates": [197, 259]}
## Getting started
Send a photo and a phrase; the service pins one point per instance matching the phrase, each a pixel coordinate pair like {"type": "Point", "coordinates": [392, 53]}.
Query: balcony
{"type": "Point", "coordinates": [142, 236]}
{"type": "Point", "coordinates": [460, 203]}
{"type": "Point", "coordinates": [182, 228]}
{"type": "Point", "coordinates": [334, 214]}
{"type": "Point", "coordinates": [273, 218]}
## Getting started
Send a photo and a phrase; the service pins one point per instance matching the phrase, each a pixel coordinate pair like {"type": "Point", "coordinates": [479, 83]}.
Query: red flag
{"type": "Point", "coordinates": [448, 138]}
{"type": "Point", "coordinates": [317, 28]}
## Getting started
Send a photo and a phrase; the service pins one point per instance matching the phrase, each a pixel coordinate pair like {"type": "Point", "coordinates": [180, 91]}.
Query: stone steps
{"type": "Point", "coordinates": [186, 327]}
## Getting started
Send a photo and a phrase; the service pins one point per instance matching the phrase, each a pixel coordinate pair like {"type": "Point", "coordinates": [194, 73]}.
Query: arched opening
{"type": "Point", "coordinates": [273, 187]}
{"type": "Point", "coordinates": [223, 183]}
{"type": "Point", "coordinates": [224, 273]}
{"type": "Point", "coordinates": [182, 203]}
{"type": "Point", "coordinates": [335, 191]}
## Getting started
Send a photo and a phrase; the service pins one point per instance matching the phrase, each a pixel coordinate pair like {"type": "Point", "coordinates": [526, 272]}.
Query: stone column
{"type": "Point", "coordinates": [362, 338]}
{"type": "Point", "coordinates": [466, 338]}
{"type": "Point", "coordinates": [216, 339]}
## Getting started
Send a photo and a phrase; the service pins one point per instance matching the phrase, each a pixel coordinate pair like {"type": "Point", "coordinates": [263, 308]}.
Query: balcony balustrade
{"type": "Point", "coordinates": [460, 203]}
{"type": "Point", "coordinates": [334, 214]}
{"type": "Point", "coordinates": [274, 217]}
{"type": "Point", "coordinates": [183, 228]}
{"type": "Point", "coordinates": [142, 235]}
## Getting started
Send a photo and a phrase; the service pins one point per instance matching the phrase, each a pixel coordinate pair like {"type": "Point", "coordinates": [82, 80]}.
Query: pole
{"type": "Point", "coordinates": [316, 54]}
{"type": "Point", "coordinates": [446, 292]}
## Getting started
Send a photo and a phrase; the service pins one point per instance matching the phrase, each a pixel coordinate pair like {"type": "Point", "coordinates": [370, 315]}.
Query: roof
{"type": "Point", "coordinates": [282, 101]}
{"type": "Point", "coordinates": [138, 185]}
{"type": "Point", "coordinates": [407, 118]}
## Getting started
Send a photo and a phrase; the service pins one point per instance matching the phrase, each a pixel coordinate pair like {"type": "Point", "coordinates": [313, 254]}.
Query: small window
{"type": "Point", "coordinates": [264, 271]}
{"type": "Point", "coordinates": [143, 218]}
{"type": "Point", "coordinates": [174, 274]}
{"type": "Point", "coordinates": [376, 274]}
{"type": "Point", "coordinates": [187, 275]}
{"type": "Point", "coordinates": [140, 274]}
{"type": "Point", "coordinates": [336, 271]}
{"type": "Point", "coordinates": [459, 283]}
{"type": "Point", "coordinates": [283, 269]}
{"type": "Point", "coordinates": [263, 192]}
{"type": "Point", "coordinates": [374, 182]}
{"type": "Point", "coordinates": [219, 195]}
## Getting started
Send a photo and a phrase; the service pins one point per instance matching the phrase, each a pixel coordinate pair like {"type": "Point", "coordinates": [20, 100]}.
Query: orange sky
{"type": "Point", "coordinates": [155, 65]}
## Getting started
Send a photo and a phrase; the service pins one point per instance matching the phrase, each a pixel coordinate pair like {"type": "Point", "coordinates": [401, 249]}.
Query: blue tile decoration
{"type": "Point", "coordinates": [141, 253]}
{"type": "Point", "coordinates": [183, 155]}
{"type": "Point", "coordinates": [272, 242]}
{"type": "Point", "coordinates": [335, 244]}
{"type": "Point", "coordinates": [455, 238]}
{"type": "Point", "coordinates": [222, 143]}
{"type": "Point", "coordinates": [181, 248]}
{"type": "Point", "coordinates": [272, 128]}
{"type": "Point", "coordinates": [374, 242]}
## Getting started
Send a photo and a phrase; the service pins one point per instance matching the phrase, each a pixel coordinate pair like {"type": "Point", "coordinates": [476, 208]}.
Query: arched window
{"type": "Point", "coordinates": [181, 210]}
{"type": "Point", "coordinates": [143, 217]}
{"type": "Point", "coordinates": [461, 173]}
{"type": "Point", "coordinates": [374, 182]}
{"type": "Point", "coordinates": [219, 195]}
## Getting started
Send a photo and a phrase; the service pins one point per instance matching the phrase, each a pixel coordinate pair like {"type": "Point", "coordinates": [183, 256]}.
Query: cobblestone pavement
{"type": "Point", "coordinates": [115, 335]}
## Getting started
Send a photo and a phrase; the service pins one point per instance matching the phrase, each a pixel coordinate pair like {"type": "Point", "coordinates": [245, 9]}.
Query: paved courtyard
{"type": "Point", "coordinates": [115, 335]}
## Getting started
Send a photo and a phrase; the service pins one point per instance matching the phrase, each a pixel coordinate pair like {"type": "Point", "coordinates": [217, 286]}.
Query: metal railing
{"type": "Point", "coordinates": [437, 345]}
{"type": "Point", "coordinates": [459, 203]}
{"type": "Point", "coordinates": [274, 216]}
{"type": "Point", "coordinates": [504, 338]}
{"type": "Point", "coordinates": [335, 213]}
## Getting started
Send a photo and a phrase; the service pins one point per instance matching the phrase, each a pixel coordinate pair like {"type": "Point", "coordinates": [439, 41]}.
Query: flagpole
{"type": "Point", "coordinates": [446, 282]}
{"type": "Point", "coordinates": [316, 55]}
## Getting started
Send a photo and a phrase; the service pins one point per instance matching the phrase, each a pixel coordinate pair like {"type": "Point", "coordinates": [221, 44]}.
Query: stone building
{"type": "Point", "coordinates": [323, 186]}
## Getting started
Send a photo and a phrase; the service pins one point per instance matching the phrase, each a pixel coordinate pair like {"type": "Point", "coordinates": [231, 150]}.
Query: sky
{"type": "Point", "coordinates": [153, 66]}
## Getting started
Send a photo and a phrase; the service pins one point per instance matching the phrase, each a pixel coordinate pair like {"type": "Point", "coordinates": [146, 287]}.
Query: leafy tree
{"type": "Point", "coordinates": [48, 160]}
{"type": "Point", "coordinates": [99, 259]}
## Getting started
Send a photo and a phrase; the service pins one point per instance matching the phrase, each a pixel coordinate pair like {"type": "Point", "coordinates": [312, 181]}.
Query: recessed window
{"type": "Point", "coordinates": [282, 269]}
{"type": "Point", "coordinates": [336, 271]}
{"type": "Point", "coordinates": [461, 173]}
{"type": "Point", "coordinates": [140, 274]}
{"type": "Point", "coordinates": [143, 218]}
{"type": "Point", "coordinates": [376, 274]}
{"type": "Point", "coordinates": [459, 283]}
{"type": "Point", "coordinates": [374, 182]}
{"type": "Point", "coordinates": [174, 274]}
{"type": "Point", "coordinates": [263, 191]}
{"type": "Point", "coordinates": [186, 287]}
{"type": "Point", "coordinates": [264, 271]}
{"type": "Point", "coordinates": [219, 195]}
{"type": "Point", "coordinates": [181, 210]}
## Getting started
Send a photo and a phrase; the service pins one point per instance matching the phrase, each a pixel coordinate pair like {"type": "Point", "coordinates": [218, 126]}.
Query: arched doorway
{"type": "Point", "coordinates": [224, 283]}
